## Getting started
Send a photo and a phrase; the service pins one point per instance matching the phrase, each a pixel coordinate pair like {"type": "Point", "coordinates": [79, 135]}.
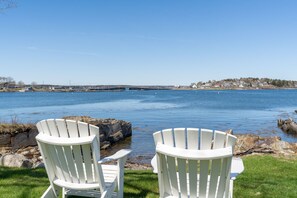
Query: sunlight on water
{"type": "Point", "coordinates": [115, 106]}
{"type": "Point", "coordinates": [125, 105]}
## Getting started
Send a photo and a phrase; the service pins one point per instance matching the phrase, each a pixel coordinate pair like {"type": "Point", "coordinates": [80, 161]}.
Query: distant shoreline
{"type": "Point", "coordinates": [8, 85]}
{"type": "Point", "coordinates": [116, 88]}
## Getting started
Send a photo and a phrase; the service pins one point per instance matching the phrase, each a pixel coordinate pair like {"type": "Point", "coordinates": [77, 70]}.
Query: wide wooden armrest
{"type": "Point", "coordinates": [236, 167]}
{"type": "Point", "coordinates": [118, 155]}
{"type": "Point", "coordinates": [154, 164]}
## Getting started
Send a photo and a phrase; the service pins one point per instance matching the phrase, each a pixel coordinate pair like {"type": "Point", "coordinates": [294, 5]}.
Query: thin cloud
{"type": "Point", "coordinates": [63, 51]}
{"type": "Point", "coordinates": [72, 52]}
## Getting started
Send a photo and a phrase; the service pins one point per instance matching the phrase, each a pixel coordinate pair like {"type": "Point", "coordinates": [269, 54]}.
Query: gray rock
{"type": "Point", "coordinates": [24, 139]}
{"type": "Point", "coordinates": [39, 165]}
{"type": "Point", "coordinates": [110, 129]}
{"type": "Point", "coordinates": [5, 139]}
{"type": "Point", "coordinates": [115, 137]}
{"type": "Point", "coordinates": [15, 160]}
{"type": "Point", "coordinates": [288, 126]}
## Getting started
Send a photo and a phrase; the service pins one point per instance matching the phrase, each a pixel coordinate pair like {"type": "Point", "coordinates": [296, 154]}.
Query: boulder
{"type": "Point", "coordinates": [111, 130]}
{"type": "Point", "coordinates": [25, 139]}
{"type": "Point", "coordinates": [248, 144]}
{"type": "Point", "coordinates": [15, 160]}
{"type": "Point", "coordinates": [288, 126]}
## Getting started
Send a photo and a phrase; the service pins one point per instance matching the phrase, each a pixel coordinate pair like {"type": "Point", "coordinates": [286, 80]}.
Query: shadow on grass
{"type": "Point", "coordinates": [141, 184]}
{"type": "Point", "coordinates": [21, 182]}
{"type": "Point", "coordinates": [7, 172]}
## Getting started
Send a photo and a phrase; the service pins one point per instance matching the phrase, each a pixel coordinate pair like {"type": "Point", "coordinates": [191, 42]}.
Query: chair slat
{"type": "Point", "coordinates": [182, 177]}
{"type": "Point", "coordinates": [86, 150]}
{"type": "Point", "coordinates": [50, 167]}
{"type": "Point", "coordinates": [172, 174]}
{"type": "Point", "coordinates": [203, 177]}
{"type": "Point", "coordinates": [231, 140]}
{"type": "Point", "coordinates": [83, 129]}
{"type": "Point", "coordinates": [70, 161]}
{"type": "Point", "coordinates": [206, 139]}
{"type": "Point", "coordinates": [215, 172]}
{"type": "Point", "coordinates": [158, 138]}
{"type": "Point", "coordinates": [180, 137]}
{"type": "Point", "coordinates": [192, 135]}
{"type": "Point", "coordinates": [94, 130]}
{"type": "Point", "coordinates": [79, 163]}
{"type": "Point", "coordinates": [165, 173]}
{"type": "Point", "coordinates": [53, 127]}
{"type": "Point", "coordinates": [53, 156]}
{"type": "Point", "coordinates": [44, 127]}
{"type": "Point", "coordinates": [39, 127]}
{"type": "Point", "coordinates": [72, 128]}
{"type": "Point", "coordinates": [97, 167]}
{"type": "Point", "coordinates": [193, 168]}
{"type": "Point", "coordinates": [168, 137]}
{"type": "Point", "coordinates": [225, 175]}
{"type": "Point", "coordinates": [64, 166]}
{"type": "Point", "coordinates": [219, 139]}
{"type": "Point", "coordinates": [62, 128]}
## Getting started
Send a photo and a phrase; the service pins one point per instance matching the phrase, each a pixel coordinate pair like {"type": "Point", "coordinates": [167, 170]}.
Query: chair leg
{"type": "Point", "coordinates": [231, 189]}
{"type": "Point", "coordinates": [49, 193]}
{"type": "Point", "coordinates": [120, 187]}
{"type": "Point", "coordinates": [64, 193]}
{"type": "Point", "coordinates": [120, 184]}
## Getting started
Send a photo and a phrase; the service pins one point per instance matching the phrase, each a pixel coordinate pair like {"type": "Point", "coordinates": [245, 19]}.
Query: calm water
{"type": "Point", "coordinates": [243, 111]}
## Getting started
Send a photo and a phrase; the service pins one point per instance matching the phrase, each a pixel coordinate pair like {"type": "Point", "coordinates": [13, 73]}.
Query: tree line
{"type": "Point", "coordinates": [9, 81]}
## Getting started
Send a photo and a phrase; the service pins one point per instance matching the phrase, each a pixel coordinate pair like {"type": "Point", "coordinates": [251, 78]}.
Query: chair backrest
{"type": "Point", "coordinates": [194, 138]}
{"type": "Point", "coordinates": [70, 150]}
{"type": "Point", "coordinates": [67, 128]}
{"type": "Point", "coordinates": [194, 162]}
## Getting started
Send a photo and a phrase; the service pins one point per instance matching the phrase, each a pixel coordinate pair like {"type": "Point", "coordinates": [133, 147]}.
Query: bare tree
{"type": "Point", "coordinates": [6, 80]}
{"type": "Point", "coordinates": [33, 84]}
{"type": "Point", "coordinates": [10, 80]}
{"type": "Point", "coordinates": [21, 83]}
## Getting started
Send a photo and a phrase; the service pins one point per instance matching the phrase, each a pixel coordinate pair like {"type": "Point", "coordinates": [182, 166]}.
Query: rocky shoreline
{"type": "Point", "coordinates": [18, 146]}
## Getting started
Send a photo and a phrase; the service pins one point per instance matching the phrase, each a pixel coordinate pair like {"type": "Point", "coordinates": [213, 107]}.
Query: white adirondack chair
{"type": "Point", "coordinates": [71, 154]}
{"type": "Point", "coordinates": [195, 163]}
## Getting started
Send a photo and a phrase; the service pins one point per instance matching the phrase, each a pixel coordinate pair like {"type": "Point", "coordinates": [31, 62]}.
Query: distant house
{"type": "Point", "coordinates": [194, 86]}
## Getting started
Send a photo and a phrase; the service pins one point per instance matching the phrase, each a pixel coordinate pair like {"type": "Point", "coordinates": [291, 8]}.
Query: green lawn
{"type": "Point", "coordinates": [264, 176]}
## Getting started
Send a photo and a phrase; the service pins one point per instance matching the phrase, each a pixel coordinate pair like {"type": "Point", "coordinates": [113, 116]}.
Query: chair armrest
{"type": "Point", "coordinates": [236, 167]}
{"type": "Point", "coordinates": [154, 164]}
{"type": "Point", "coordinates": [118, 155]}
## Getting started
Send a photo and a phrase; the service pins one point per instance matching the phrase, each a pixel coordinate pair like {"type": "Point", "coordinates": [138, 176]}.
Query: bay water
{"type": "Point", "coordinates": [244, 111]}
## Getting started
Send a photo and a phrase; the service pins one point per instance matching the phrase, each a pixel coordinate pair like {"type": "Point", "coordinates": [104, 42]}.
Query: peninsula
{"type": "Point", "coordinates": [246, 83]}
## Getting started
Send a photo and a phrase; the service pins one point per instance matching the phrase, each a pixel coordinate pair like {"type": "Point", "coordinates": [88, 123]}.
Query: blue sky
{"type": "Point", "coordinates": [152, 42]}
